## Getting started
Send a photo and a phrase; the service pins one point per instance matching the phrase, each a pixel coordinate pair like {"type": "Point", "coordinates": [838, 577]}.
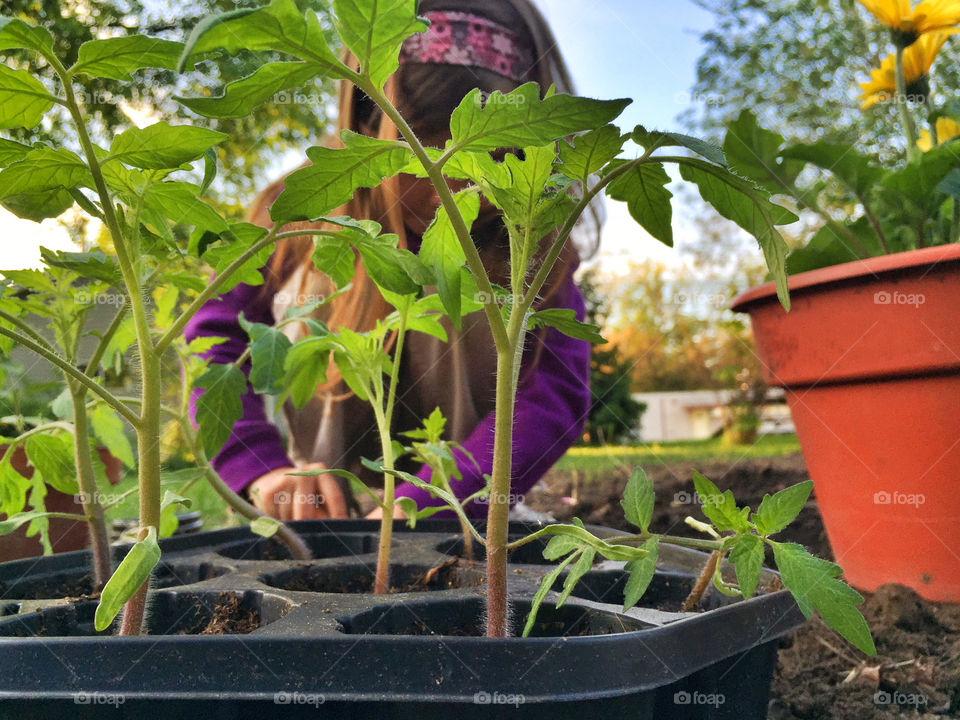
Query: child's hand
{"type": "Point", "coordinates": [291, 497]}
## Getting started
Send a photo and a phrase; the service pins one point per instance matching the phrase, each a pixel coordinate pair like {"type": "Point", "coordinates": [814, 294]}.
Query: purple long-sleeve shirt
{"type": "Point", "coordinates": [550, 412]}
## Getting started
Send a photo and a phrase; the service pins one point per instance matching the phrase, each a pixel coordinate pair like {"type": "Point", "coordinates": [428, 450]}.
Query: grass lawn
{"type": "Point", "coordinates": [593, 460]}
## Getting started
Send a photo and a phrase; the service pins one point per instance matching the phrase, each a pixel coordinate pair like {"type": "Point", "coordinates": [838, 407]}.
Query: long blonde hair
{"type": "Point", "coordinates": [425, 95]}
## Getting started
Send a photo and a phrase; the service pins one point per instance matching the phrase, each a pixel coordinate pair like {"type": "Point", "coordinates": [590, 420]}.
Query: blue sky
{"type": "Point", "coordinates": [641, 49]}
{"type": "Point", "coordinates": [646, 50]}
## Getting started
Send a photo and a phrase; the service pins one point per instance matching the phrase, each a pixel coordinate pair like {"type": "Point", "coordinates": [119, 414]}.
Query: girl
{"type": "Point", "coordinates": [486, 44]}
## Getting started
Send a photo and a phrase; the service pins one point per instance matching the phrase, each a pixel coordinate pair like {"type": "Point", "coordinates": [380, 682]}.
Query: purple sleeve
{"type": "Point", "coordinates": [550, 413]}
{"type": "Point", "coordinates": [255, 446]}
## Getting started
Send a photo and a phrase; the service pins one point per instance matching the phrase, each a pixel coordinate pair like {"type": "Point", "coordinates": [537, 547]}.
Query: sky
{"type": "Point", "coordinates": [640, 49]}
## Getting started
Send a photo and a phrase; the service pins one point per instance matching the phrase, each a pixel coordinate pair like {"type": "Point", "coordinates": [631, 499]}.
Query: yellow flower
{"type": "Point", "coordinates": [946, 130]}
{"type": "Point", "coordinates": [917, 61]}
{"type": "Point", "coordinates": [908, 24]}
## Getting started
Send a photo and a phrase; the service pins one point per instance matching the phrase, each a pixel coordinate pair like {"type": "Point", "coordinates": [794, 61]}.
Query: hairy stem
{"type": "Point", "coordinates": [693, 599]}
{"type": "Point", "coordinates": [87, 482]}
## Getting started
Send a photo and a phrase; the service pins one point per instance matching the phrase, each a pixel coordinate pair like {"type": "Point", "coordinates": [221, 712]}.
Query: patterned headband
{"type": "Point", "coordinates": [459, 38]}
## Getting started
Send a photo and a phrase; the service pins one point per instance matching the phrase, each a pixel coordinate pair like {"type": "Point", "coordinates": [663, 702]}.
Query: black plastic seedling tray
{"type": "Point", "coordinates": [309, 639]}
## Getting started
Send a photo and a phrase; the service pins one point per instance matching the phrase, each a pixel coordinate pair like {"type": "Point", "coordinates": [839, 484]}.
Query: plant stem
{"type": "Point", "coordinates": [87, 482]}
{"type": "Point", "coordinates": [176, 329]}
{"type": "Point", "coordinates": [693, 599]}
{"type": "Point", "coordinates": [906, 118]}
{"type": "Point", "coordinates": [435, 173]}
{"type": "Point", "coordinates": [382, 580]}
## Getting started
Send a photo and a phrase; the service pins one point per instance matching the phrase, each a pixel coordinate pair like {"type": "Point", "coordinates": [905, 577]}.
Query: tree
{"type": "Point", "coordinates": [258, 142]}
{"type": "Point", "coordinates": [614, 414]}
{"type": "Point", "coordinates": [797, 65]}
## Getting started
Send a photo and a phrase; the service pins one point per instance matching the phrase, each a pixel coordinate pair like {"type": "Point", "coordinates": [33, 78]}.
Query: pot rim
{"type": "Point", "coordinates": [849, 271]}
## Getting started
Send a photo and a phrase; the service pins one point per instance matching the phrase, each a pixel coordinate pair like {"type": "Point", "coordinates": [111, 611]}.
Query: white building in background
{"type": "Point", "coordinates": [697, 415]}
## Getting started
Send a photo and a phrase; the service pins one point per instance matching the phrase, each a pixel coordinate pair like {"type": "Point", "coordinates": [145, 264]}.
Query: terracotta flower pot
{"type": "Point", "coordinates": [869, 357]}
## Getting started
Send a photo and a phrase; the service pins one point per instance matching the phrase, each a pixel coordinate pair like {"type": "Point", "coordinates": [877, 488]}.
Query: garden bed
{"type": "Point", "coordinates": [819, 676]}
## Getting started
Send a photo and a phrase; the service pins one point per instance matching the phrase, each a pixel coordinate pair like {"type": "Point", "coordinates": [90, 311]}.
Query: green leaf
{"type": "Point", "coordinates": [268, 353]}
{"type": "Point", "coordinates": [374, 30]}
{"type": "Point", "coordinates": [44, 169]}
{"type": "Point", "coordinates": [11, 152]}
{"type": "Point", "coordinates": [747, 558]}
{"type": "Point", "coordinates": [528, 181]}
{"type": "Point", "coordinates": [238, 239]}
{"type": "Point", "coordinates": [409, 508]}
{"type": "Point", "coordinates": [168, 521]}
{"type": "Point", "coordinates": [107, 426]}
{"type": "Point", "coordinates": [641, 573]}
{"type": "Point", "coordinates": [719, 507]}
{"type": "Point", "coordinates": [918, 180]}
{"type": "Point", "coordinates": [522, 119]}
{"type": "Point", "coordinates": [134, 570]}
{"type": "Point", "coordinates": [854, 170]}
{"type": "Point", "coordinates": [116, 58]}
{"type": "Point", "coordinates": [336, 174]}
{"type": "Point", "coordinates": [280, 26]}
{"type": "Point", "coordinates": [950, 185]}
{"type": "Point", "coordinates": [590, 152]}
{"type": "Point", "coordinates": [737, 200]}
{"type": "Point", "coordinates": [219, 407]}
{"type": "Point", "coordinates": [644, 190]}
{"type": "Point", "coordinates": [565, 320]}
{"type": "Point", "coordinates": [548, 580]}
{"type": "Point", "coordinates": [23, 99]}
{"type": "Point", "coordinates": [754, 153]}
{"type": "Point", "coordinates": [580, 568]}
{"type": "Point", "coordinates": [94, 264]}
{"type": "Point", "coordinates": [638, 499]}
{"type": "Point", "coordinates": [52, 456]}
{"type": "Point", "coordinates": [560, 545]}
{"type": "Point", "coordinates": [779, 510]}
{"type": "Point", "coordinates": [240, 97]}
{"type": "Point", "coordinates": [585, 538]}
{"type": "Point", "coordinates": [18, 519]}
{"type": "Point", "coordinates": [649, 138]}
{"type": "Point", "coordinates": [334, 256]}
{"type": "Point", "coordinates": [305, 367]}
{"type": "Point", "coordinates": [161, 146]}
{"type": "Point", "coordinates": [178, 203]}
{"type": "Point", "coordinates": [39, 205]}
{"type": "Point", "coordinates": [814, 585]}
{"type": "Point", "coordinates": [441, 252]}
{"type": "Point", "coordinates": [13, 487]}
{"type": "Point", "coordinates": [265, 526]}
{"type": "Point", "coordinates": [16, 34]}
{"type": "Point", "coordinates": [828, 247]}
{"type": "Point", "coordinates": [171, 499]}
{"type": "Point", "coordinates": [393, 269]}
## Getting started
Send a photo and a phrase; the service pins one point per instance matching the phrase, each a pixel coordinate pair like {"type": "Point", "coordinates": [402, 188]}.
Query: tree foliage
{"type": "Point", "coordinates": [797, 65]}
{"type": "Point", "coordinates": [257, 141]}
